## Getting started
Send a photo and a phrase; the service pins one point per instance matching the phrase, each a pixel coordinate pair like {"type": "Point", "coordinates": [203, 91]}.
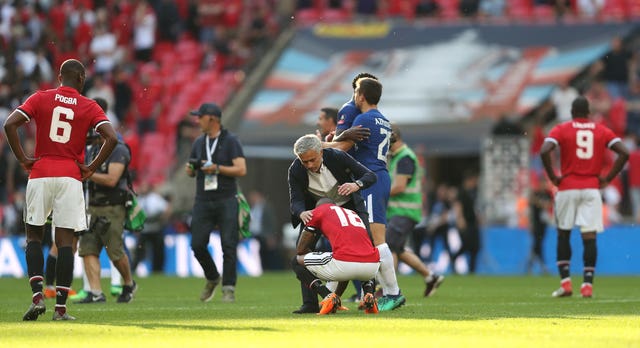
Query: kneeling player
{"type": "Point", "coordinates": [353, 258]}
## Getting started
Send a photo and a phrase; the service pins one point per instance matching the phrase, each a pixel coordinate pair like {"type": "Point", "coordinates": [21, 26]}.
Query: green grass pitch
{"type": "Point", "coordinates": [467, 311]}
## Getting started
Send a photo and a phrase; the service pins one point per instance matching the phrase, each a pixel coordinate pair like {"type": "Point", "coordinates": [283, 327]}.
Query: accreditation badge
{"type": "Point", "coordinates": [210, 182]}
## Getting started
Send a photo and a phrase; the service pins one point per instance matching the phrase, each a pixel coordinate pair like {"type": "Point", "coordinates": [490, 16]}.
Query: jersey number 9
{"type": "Point", "coordinates": [584, 142]}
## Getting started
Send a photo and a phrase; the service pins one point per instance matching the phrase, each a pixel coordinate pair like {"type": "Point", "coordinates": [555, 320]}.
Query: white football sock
{"type": "Point", "coordinates": [387, 271]}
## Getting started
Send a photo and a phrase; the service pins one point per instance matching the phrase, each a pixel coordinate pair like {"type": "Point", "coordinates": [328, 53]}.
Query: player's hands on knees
{"type": "Point", "coordinates": [306, 216]}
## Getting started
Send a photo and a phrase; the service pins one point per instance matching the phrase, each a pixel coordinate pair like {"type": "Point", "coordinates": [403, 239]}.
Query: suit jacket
{"type": "Point", "coordinates": [343, 167]}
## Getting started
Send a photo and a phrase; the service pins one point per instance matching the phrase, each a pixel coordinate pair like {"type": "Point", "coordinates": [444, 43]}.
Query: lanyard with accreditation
{"type": "Point", "coordinates": [210, 180]}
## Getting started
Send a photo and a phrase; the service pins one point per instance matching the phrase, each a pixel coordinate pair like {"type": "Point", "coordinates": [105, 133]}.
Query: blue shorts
{"type": "Point", "coordinates": [376, 198]}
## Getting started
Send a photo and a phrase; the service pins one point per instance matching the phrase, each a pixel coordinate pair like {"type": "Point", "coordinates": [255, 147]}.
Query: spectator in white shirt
{"type": "Point", "coordinates": [103, 48]}
{"type": "Point", "coordinates": [562, 97]}
{"type": "Point", "coordinates": [144, 31]}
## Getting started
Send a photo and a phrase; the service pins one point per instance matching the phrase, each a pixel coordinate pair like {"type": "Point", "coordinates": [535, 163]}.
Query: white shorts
{"type": "Point", "coordinates": [61, 195]}
{"type": "Point", "coordinates": [582, 208]}
{"type": "Point", "coordinates": [325, 267]}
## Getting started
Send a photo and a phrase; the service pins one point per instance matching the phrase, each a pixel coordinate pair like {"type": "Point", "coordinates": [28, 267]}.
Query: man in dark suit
{"type": "Point", "coordinates": [324, 173]}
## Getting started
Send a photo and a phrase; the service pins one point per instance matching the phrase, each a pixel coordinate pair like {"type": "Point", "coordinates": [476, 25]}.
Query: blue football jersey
{"type": "Point", "coordinates": [372, 152]}
{"type": "Point", "coordinates": [346, 115]}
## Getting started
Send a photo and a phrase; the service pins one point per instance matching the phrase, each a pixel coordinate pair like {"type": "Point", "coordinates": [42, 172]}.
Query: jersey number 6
{"type": "Point", "coordinates": [57, 124]}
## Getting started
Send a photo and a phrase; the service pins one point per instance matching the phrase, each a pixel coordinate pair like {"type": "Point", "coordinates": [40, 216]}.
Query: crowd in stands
{"type": "Point", "coordinates": [311, 11]}
{"type": "Point", "coordinates": [152, 60]}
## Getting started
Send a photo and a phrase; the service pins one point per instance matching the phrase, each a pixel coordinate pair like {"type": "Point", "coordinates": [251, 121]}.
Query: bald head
{"type": "Point", "coordinates": [580, 107]}
{"type": "Point", "coordinates": [72, 74]}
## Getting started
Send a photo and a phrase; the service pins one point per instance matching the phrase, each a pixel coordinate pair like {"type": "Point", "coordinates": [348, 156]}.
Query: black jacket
{"type": "Point", "coordinates": [343, 167]}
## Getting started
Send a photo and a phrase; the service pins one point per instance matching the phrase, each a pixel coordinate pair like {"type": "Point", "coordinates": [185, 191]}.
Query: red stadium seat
{"type": "Point", "coordinates": [449, 9]}
{"type": "Point", "coordinates": [189, 52]}
{"type": "Point", "coordinates": [633, 9]}
{"type": "Point", "coordinates": [614, 10]}
{"type": "Point", "coordinates": [161, 49]}
{"type": "Point", "coordinates": [336, 15]}
{"type": "Point", "coordinates": [178, 110]}
{"type": "Point", "coordinates": [399, 8]}
{"type": "Point", "coordinates": [154, 165]}
{"type": "Point", "coordinates": [520, 10]}
{"type": "Point", "coordinates": [307, 16]}
{"type": "Point", "coordinates": [544, 14]}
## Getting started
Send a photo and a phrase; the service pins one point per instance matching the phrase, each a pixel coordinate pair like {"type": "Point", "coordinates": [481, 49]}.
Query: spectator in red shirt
{"type": "Point", "coordinates": [58, 16]}
{"type": "Point", "coordinates": [146, 105]}
{"type": "Point", "coordinates": [209, 15]}
{"type": "Point", "coordinates": [122, 23]}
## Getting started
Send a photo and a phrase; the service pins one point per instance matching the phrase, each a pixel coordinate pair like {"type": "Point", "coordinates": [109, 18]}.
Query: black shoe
{"type": "Point", "coordinates": [307, 308]}
{"type": "Point", "coordinates": [92, 298]}
{"type": "Point", "coordinates": [432, 284]}
{"type": "Point", "coordinates": [35, 310]}
{"type": "Point", "coordinates": [127, 293]}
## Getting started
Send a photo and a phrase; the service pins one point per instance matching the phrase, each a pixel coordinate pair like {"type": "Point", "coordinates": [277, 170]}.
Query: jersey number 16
{"type": "Point", "coordinates": [347, 217]}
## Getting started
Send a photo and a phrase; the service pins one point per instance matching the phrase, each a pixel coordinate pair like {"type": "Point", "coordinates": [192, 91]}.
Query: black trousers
{"type": "Point", "coordinates": [207, 215]}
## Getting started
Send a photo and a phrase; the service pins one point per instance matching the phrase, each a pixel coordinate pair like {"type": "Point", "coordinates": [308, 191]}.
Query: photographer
{"type": "Point", "coordinates": [216, 160]}
{"type": "Point", "coordinates": [108, 196]}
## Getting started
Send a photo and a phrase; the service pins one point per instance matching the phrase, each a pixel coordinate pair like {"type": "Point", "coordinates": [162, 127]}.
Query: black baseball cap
{"type": "Point", "coordinates": [207, 109]}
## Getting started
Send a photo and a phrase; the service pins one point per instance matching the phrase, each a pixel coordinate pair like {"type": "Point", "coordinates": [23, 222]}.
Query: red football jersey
{"type": "Point", "coordinates": [62, 117]}
{"type": "Point", "coordinates": [346, 233]}
{"type": "Point", "coordinates": [582, 152]}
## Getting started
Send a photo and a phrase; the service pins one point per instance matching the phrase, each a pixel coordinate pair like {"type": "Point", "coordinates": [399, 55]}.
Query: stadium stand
{"type": "Point", "coordinates": [518, 11]}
